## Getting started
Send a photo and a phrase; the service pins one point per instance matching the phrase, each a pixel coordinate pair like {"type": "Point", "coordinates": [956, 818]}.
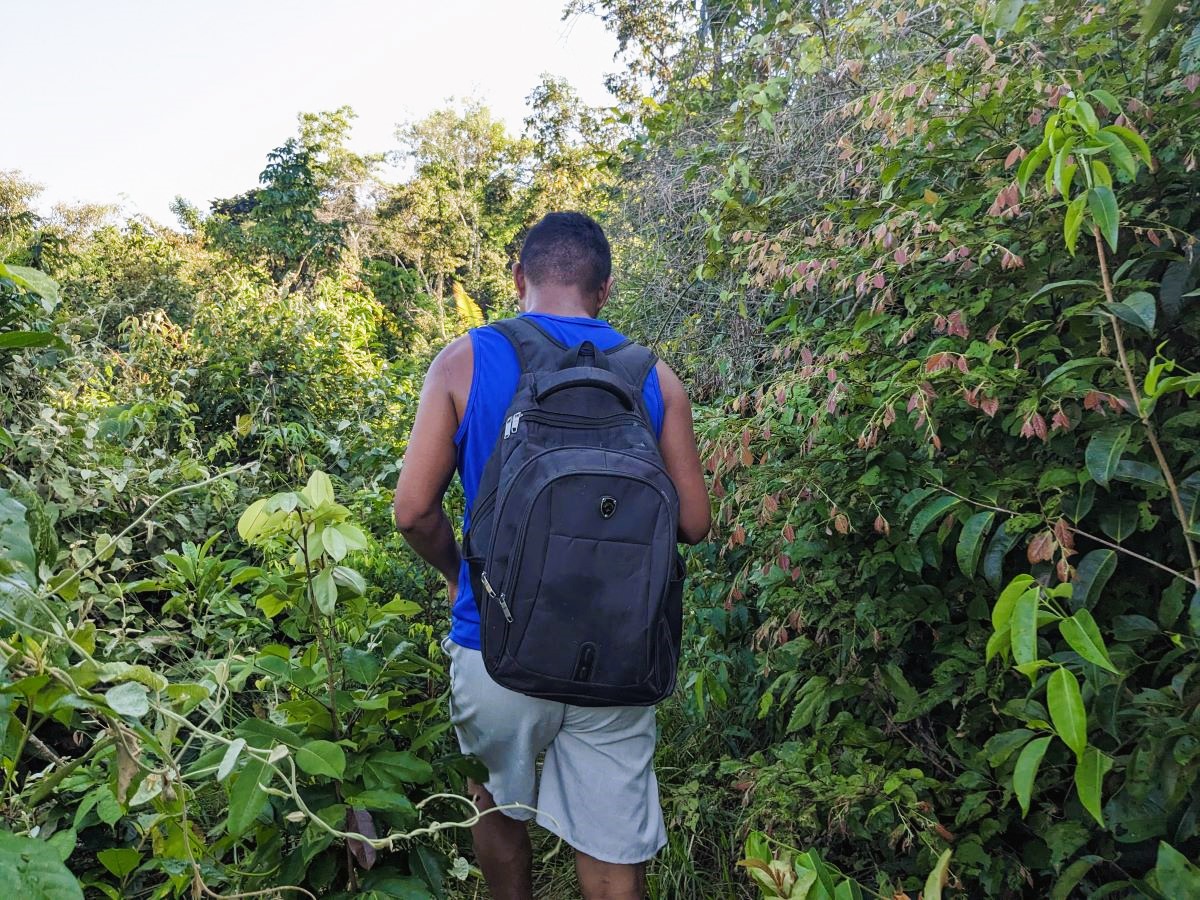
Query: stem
{"type": "Point", "coordinates": [326, 650]}
{"type": "Point", "coordinates": [331, 685]}
{"type": "Point", "coordinates": [1136, 397]}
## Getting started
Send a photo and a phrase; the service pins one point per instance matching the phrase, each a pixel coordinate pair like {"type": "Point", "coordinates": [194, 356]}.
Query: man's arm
{"type": "Point", "coordinates": [429, 466]}
{"type": "Point", "coordinates": [678, 447]}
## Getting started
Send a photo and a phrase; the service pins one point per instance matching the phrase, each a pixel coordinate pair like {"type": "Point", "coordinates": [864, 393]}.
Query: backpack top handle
{"type": "Point", "coordinates": [549, 385]}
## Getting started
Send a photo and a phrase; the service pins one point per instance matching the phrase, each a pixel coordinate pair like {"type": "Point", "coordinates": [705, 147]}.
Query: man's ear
{"type": "Point", "coordinates": [605, 291]}
{"type": "Point", "coordinates": [518, 275]}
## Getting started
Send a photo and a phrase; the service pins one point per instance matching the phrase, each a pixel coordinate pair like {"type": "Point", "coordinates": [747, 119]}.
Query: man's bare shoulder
{"type": "Point", "coordinates": [672, 388]}
{"type": "Point", "coordinates": [451, 371]}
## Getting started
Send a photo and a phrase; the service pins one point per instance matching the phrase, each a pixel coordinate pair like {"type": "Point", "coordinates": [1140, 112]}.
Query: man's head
{"type": "Point", "coordinates": [566, 256]}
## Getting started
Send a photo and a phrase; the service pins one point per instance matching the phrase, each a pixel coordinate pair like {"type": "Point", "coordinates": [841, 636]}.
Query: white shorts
{"type": "Point", "coordinates": [597, 791]}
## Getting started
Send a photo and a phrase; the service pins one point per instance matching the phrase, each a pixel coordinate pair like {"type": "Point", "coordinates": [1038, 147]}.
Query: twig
{"type": "Point", "coordinates": [1083, 534]}
{"type": "Point", "coordinates": [1135, 396]}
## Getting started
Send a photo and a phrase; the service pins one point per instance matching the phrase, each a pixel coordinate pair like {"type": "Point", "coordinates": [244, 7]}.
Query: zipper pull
{"type": "Point", "coordinates": [499, 598]}
{"type": "Point", "coordinates": [510, 425]}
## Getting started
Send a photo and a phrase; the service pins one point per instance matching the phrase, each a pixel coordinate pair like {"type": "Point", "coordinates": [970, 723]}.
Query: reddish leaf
{"type": "Point", "coordinates": [1041, 548]}
{"type": "Point", "coordinates": [360, 822]}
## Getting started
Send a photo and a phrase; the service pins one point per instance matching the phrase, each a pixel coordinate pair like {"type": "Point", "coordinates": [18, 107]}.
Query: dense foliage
{"type": "Point", "coordinates": [937, 264]}
{"type": "Point", "coordinates": [930, 271]}
{"type": "Point", "coordinates": [221, 674]}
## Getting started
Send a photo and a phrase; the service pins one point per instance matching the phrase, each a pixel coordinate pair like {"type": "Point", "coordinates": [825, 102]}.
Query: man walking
{"type": "Point", "coordinates": [597, 790]}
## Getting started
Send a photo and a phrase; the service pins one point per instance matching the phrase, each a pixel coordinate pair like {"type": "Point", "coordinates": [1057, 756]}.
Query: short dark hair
{"type": "Point", "coordinates": [567, 248]}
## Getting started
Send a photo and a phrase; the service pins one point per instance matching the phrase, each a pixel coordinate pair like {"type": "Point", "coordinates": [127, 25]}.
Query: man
{"type": "Point", "coordinates": [598, 791]}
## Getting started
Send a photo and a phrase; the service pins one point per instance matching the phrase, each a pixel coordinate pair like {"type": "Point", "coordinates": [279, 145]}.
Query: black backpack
{"type": "Point", "coordinates": [572, 545]}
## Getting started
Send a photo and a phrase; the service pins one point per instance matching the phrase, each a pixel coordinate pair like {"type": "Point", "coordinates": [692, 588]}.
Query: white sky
{"type": "Point", "coordinates": [136, 101]}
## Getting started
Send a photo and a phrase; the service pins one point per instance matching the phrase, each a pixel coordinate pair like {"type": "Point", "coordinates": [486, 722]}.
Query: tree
{"type": "Point", "coordinates": [303, 218]}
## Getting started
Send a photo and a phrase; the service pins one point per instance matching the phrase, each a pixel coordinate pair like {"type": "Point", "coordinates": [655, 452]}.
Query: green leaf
{"type": "Point", "coordinates": [930, 514]}
{"type": "Point", "coordinates": [1002, 611]}
{"type": "Point", "coordinates": [16, 542]}
{"type": "Point", "coordinates": [1131, 137]}
{"type": "Point", "coordinates": [322, 758]}
{"type": "Point", "coordinates": [229, 760]}
{"type": "Point", "coordinates": [1119, 521]}
{"type": "Point", "coordinates": [1091, 576]}
{"type": "Point", "coordinates": [319, 489]}
{"type": "Point", "coordinates": [1082, 633]}
{"type": "Point", "coordinates": [1007, 12]}
{"type": "Point", "coordinates": [128, 699]}
{"type": "Point", "coordinates": [1073, 221]}
{"type": "Point", "coordinates": [998, 643]}
{"type": "Point", "coordinates": [345, 577]}
{"type": "Point", "coordinates": [34, 281]}
{"type": "Point", "coordinates": [937, 878]}
{"type": "Point", "coordinates": [254, 520]}
{"type": "Point", "coordinates": [25, 340]}
{"type": "Point", "coordinates": [1000, 747]}
{"type": "Point", "coordinates": [1111, 103]}
{"type": "Point", "coordinates": [1189, 496]}
{"type": "Point", "coordinates": [1024, 626]}
{"type": "Point", "coordinates": [1177, 877]}
{"type": "Point", "coordinates": [1089, 778]}
{"type": "Point", "coordinates": [1031, 164]}
{"type": "Point", "coordinates": [1087, 363]}
{"type": "Point", "coordinates": [383, 885]}
{"type": "Point", "coordinates": [389, 802]}
{"type": "Point", "coordinates": [334, 543]}
{"type": "Point", "coordinates": [1101, 173]}
{"type": "Point", "coordinates": [360, 665]}
{"type": "Point", "coordinates": [998, 547]}
{"type": "Point", "coordinates": [1155, 17]}
{"type": "Point", "coordinates": [970, 542]}
{"type": "Point", "coordinates": [1135, 472]}
{"type": "Point", "coordinates": [119, 860]}
{"type": "Point", "coordinates": [1087, 116]}
{"type": "Point", "coordinates": [387, 768]}
{"type": "Point", "coordinates": [325, 591]}
{"type": "Point", "coordinates": [429, 865]}
{"type": "Point", "coordinates": [1119, 152]}
{"type": "Point", "coordinates": [1071, 876]}
{"type": "Point", "coordinates": [1059, 165]}
{"type": "Point", "coordinates": [1138, 309]}
{"type": "Point", "coordinates": [1025, 772]}
{"type": "Point", "coordinates": [1104, 452]}
{"type": "Point", "coordinates": [246, 796]}
{"type": "Point", "coordinates": [1103, 205]}
{"type": "Point", "coordinates": [32, 870]}
{"type": "Point", "coordinates": [1066, 709]}
{"type": "Point", "coordinates": [1194, 614]}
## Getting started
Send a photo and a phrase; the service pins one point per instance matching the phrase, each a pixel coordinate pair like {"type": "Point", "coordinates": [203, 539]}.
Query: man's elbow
{"type": "Point", "coordinates": [413, 519]}
{"type": "Point", "coordinates": [694, 530]}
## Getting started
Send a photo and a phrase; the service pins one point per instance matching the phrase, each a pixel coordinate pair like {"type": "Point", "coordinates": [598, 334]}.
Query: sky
{"type": "Point", "coordinates": [136, 101]}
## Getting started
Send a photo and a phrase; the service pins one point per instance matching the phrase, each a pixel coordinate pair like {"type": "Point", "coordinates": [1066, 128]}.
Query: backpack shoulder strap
{"type": "Point", "coordinates": [536, 350]}
{"type": "Point", "coordinates": [633, 361]}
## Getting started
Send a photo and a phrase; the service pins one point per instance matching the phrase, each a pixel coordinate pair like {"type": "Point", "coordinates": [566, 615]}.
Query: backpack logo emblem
{"type": "Point", "coordinates": [608, 506]}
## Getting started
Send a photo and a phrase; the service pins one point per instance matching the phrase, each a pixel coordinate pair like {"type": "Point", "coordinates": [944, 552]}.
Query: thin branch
{"type": "Point", "coordinates": [1083, 534]}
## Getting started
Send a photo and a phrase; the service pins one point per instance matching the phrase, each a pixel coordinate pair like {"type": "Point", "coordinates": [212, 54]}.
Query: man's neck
{"type": "Point", "coordinates": [559, 303]}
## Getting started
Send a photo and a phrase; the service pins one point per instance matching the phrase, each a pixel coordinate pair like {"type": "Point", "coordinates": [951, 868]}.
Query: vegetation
{"type": "Point", "coordinates": [930, 270]}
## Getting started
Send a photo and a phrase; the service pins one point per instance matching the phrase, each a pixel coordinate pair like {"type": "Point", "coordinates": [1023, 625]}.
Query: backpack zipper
{"type": "Point", "coordinates": [510, 425]}
{"type": "Point", "coordinates": [499, 598]}
{"type": "Point", "coordinates": [566, 420]}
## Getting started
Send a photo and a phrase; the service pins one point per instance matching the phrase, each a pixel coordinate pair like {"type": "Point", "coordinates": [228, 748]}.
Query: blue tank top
{"type": "Point", "coordinates": [493, 384]}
